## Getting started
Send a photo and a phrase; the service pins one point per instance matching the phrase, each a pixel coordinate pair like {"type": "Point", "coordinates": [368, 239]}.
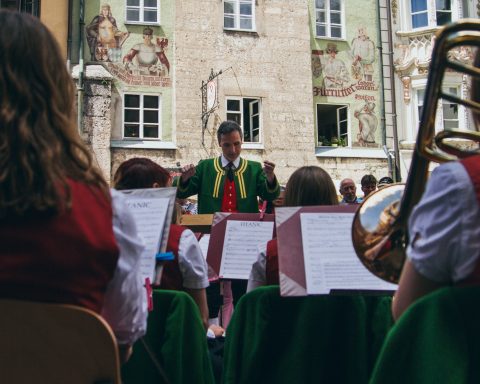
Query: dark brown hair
{"type": "Point", "coordinates": [40, 147]}
{"type": "Point", "coordinates": [310, 185]}
{"type": "Point", "coordinates": [140, 172]}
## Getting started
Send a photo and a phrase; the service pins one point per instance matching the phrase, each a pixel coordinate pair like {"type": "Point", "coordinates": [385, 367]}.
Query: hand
{"type": "Point", "coordinates": [187, 172]}
{"type": "Point", "coordinates": [217, 330]}
{"type": "Point", "coordinates": [268, 168]}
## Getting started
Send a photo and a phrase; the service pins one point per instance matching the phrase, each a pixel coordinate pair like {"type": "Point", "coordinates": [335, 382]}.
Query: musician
{"type": "Point", "coordinates": [188, 271]}
{"type": "Point", "coordinates": [57, 241]}
{"type": "Point", "coordinates": [444, 229]}
{"type": "Point", "coordinates": [309, 185]}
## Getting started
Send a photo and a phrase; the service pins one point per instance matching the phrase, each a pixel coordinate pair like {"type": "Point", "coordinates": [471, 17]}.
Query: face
{"type": "Point", "coordinates": [147, 39]}
{"type": "Point", "coordinates": [105, 11]}
{"type": "Point", "coordinates": [231, 144]}
{"type": "Point", "coordinates": [369, 188]}
{"type": "Point", "coordinates": [348, 190]}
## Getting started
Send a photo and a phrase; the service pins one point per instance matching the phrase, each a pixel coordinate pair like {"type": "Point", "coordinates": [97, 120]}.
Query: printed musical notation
{"type": "Point", "coordinates": [330, 259]}
{"type": "Point", "coordinates": [240, 247]}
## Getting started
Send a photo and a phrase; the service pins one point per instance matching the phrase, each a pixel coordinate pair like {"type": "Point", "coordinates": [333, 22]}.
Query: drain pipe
{"type": "Point", "coordinates": [396, 175]}
{"type": "Point", "coordinates": [69, 36]}
{"type": "Point", "coordinates": [81, 68]}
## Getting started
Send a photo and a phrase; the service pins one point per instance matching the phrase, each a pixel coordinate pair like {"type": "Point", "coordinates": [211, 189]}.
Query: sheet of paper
{"type": "Point", "coordinates": [240, 247]}
{"type": "Point", "coordinates": [149, 214]}
{"type": "Point", "coordinates": [330, 260]}
{"type": "Point", "coordinates": [204, 240]}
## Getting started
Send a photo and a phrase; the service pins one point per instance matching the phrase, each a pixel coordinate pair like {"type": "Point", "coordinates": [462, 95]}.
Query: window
{"type": "Point", "coordinates": [329, 18]}
{"type": "Point", "coordinates": [141, 116]}
{"type": "Point", "coordinates": [143, 11]}
{"type": "Point", "coordinates": [447, 113]}
{"type": "Point", "coordinates": [332, 124]}
{"type": "Point", "coordinates": [427, 13]}
{"type": "Point", "coordinates": [246, 112]}
{"type": "Point", "coordinates": [239, 14]}
{"type": "Point", "coordinates": [28, 6]}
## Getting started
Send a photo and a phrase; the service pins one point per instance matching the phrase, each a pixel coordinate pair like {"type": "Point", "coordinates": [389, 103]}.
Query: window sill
{"type": "Point", "coordinates": [253, 146]}
{"type": "Point", "coordinates": [241, 31]}
{"type": "Point", "coordinates": [350, 152]}
{"type": "Point", "coordinates": [152, 23]}
{"type": "Point", "coordinates": [142, 144]}
{"type": "Point", "coordinates": [331, 38]}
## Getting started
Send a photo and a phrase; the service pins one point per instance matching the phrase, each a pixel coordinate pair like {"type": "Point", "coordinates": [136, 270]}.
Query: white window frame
{"type": "Point", "coordinates": [339, 135]}
{"type": "Point", "coordinates": [431, 14]}
{"type": "Point", "coordinates": [236, 15]}
{"type": "Point", "coordinates": [328, 23]}
{"type": "Point", "coordinates": [439, 118]}
{"type": "Point", "coordinates": [242, 100]}
{"type": "Point", "coordinates": [141, 8]}
{"type": "Point", "coordinates": [141, 122]}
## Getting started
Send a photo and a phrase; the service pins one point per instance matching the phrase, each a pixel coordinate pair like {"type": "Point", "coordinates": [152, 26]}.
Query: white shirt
{"type": "Point", "coordinates": [225, 162]}
{"type": "Point", "coordinates": [125, 305]}
{"type": "Point", "coordinates": [258, 274]}
{"type": "Point", "coordinates": [444, 227]}
{"type": "Point", "coordinates": [191, 262]}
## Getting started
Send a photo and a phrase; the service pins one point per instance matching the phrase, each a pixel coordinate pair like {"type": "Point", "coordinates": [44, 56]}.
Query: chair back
{"type": "Point", "coordinates": [437, 340]}
{"type": "Point", "coordinates": [314, 339]}
{"type": "Point", "coordinates": [55, 343]}
{"type": "Point", "coordinates": [175, 340]}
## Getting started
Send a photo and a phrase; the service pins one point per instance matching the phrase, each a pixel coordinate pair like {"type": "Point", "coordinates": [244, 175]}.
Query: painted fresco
{"type": "Point", "coordinates": [348, 76]}
{"type": "Point", "coordinates": [104, 38]}
{"type": "Point", "coordinates": [143, 61]}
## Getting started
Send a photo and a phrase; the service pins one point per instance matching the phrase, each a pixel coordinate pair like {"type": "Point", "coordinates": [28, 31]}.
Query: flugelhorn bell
{"type": "Point", "coordinates": [379, 229]}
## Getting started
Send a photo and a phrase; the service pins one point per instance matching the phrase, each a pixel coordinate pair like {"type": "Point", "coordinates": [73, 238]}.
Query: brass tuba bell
{"type": "Point", "coordinates": [379, 228]}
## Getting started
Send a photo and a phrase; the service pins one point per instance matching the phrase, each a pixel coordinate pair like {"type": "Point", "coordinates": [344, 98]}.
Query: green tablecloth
{"type": "Point", "coordinates": [315, 339]}
{"type": "Point", "coordinates": [177, 338]}
{"type": "Point", "coordinates": [437, 340]}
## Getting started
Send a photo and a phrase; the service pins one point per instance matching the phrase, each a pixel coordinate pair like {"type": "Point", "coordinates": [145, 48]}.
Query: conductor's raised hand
{"type": "Point", "coordinates": [187, 172]}
{"type": "Point", "coordinates": [269, 168]}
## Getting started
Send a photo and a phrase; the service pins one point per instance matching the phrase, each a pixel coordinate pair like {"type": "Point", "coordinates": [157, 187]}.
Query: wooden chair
{"type": "Point", "coordinates": [55, 343]}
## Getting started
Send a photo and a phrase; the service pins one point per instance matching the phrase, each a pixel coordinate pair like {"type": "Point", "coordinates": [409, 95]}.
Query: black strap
{"type": "Point", "coordinates": [155, 361]}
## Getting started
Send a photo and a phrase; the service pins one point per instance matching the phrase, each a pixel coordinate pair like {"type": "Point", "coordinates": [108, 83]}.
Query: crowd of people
{"type": "Point", "coordinates": [68, 238]}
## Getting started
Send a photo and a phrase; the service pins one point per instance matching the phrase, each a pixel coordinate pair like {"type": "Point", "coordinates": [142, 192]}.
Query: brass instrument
{"type": "Point", "coordinates": [379, 228]}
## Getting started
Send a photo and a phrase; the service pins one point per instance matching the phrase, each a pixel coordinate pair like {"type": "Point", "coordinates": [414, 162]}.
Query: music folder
{"type": "Point", "coordinates": [316, 255]}
{"type": "Point", "coordinates": [234, 240]}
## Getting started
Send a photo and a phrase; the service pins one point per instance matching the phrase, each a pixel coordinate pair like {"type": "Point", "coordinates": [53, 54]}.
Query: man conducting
{"type": "Point", "coordinates": [229, 183]}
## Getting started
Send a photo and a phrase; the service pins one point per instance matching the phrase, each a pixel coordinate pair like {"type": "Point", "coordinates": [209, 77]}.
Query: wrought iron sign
{"type": "Point", "coordinates": [209, 99]}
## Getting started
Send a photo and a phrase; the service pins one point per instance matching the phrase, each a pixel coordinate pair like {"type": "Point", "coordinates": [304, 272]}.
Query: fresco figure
{"type": "Point", "coordinates": [104, 38]}
{"type": "Point", "coordinates": [367, 123]}
{"type": "Point", "coordinates": [363, 55]}
{"type": "Point", "coordinates": [150, 58]}
{"type": "Point", "coordinates": [335, 74]}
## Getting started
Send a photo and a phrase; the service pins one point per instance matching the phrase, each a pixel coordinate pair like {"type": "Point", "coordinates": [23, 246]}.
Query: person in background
{"type": "Point", "coordinates": [384, 181]}
{"type": "Point", "coordinates": [58, 244]}
{"type": "Point", "coordinates": [444, 228]}
{"type": "Point", "coordinates": [369, 185]}
{"type": "Point", "coordinates": [308, 185]}
{"type": "Point", "coordinates": [348, 190]}
{"type": "Point", "coordinates": [188, 271]}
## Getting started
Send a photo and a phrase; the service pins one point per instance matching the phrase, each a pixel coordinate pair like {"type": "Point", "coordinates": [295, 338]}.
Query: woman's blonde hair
{"type": "Point", "coordinates": [40, 148]}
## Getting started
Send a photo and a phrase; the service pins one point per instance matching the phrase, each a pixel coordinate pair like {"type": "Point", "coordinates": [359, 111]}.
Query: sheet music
{"type": "Point", "coordinates": [240, 247]}
{"type": "Point", "coordinates": [149, 214]}
{"type": "Point", "coordinates": [330, 260]}
{"type": "Point", "coordinates": [204, 241]}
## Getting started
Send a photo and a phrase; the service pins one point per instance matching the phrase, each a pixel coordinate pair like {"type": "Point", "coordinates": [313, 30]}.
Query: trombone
{"type": "Point", "coordinates": [379, 229]}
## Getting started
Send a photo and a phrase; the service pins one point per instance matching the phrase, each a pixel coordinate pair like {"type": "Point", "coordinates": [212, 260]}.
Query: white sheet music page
{"type": "Point", "coordinates": [330, 260]}
{"type": "Point", "coordinates": [149, 214]}
{"type": "Point", "coordinates": [240, 247]}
